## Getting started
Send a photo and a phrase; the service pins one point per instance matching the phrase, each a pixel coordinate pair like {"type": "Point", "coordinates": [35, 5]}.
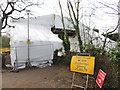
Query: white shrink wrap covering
{"type": "Point", "coordinates": [42, 45]}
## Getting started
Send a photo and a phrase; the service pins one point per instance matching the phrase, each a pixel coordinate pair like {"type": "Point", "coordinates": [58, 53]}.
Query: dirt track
{"type": "Point", "coordinates": [48, 77]}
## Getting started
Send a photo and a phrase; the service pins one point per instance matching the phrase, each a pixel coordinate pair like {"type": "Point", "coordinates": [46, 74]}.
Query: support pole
{"type": "Point", "coordinates": [28, 64]}
{"type": "Point", "coordinates": [87, 81]}
{"type": "Point", "coordinates": [73, 79]}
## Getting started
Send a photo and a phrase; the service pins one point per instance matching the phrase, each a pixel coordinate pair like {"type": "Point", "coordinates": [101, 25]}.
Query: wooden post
{"type": "Point", "coordinates": [87, 81]}
{"type": "Point", "coordinates": [73, 79]}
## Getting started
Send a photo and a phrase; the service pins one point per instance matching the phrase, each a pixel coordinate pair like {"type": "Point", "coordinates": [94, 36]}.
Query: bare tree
{"type": "Point", "coordinates": [113, 11]}
{"type": "Point", "coordinates": [104, 44]}
{"type": "Point", "coordinates": [8, 7]}
{"type": "Point", "coordinates": [66, 42]}
{"type": "Point", "coordinates": [74, 16]}
{"type": "Point", "coordinates": [117, 27]}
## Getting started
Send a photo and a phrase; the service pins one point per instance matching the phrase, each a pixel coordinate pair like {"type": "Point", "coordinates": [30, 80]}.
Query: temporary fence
{"type": "Point", "coordinates": [38, 55]}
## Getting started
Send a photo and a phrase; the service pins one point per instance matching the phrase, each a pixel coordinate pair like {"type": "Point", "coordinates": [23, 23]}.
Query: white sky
{"type": "Point", "coordinates": [100, 20]}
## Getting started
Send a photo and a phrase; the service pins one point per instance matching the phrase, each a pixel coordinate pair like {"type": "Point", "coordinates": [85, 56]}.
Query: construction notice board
{"type": "Point", "coordinates": [100, 78]}
{"type": "Point", "coordinates": [83, 64]}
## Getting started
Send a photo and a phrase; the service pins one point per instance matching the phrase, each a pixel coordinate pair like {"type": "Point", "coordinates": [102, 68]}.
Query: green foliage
{"type": "Point", "coordinates": [5, 41]}
{"type": "Point", "coordinates": [66, 42]}
{"type": "Point", "coordinates": [96, 30]}
{"type": "Point", "coordinates": [90, 48]}
{"type": "Point", "coordinates": [114, 54]}
{"type": "Point", "coordinates": [113, 36]}
{"type": "Point", "coordinates": [79, 38]}
{"type": "Point", "coordinates": [63, 60]}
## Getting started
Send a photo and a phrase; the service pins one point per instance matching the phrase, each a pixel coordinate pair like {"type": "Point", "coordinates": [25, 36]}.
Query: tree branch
{"type": "Point", "coordinates": [108, 34]}
{"type": "Point", "coordinates": [108, 6]}
{"type": "Point", "coordinates": [72, 10]}
{"type": "Point", "coordinates": [25, 7]}
{"type": "Point", "coordinates": [6, 7]}
{"type": "Point", "coordinates": [1, 9]}
{"type": "Point", "coordinates": [70, 14]}
{"type": "Point", "coordinates": [5, 22]}
{"type": "Point", "coordinates": [10, 26]}
{"type": "Point", "coordinates": [114, 29]}
{"type": "Point", "coordinates": [5, 14]}
{"type": "Point", "coordinates": [77, 19]}
{"type": "Point", "coordinates": [62, 18]}
{"type": "Point", "coordinates": [16, 18]}
{"type": "Point", "coordinates": [12, 6]}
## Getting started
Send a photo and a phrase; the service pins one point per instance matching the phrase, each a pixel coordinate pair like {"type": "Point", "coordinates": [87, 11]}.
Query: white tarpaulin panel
{"type": "Point", "coordinates": [42, 45]}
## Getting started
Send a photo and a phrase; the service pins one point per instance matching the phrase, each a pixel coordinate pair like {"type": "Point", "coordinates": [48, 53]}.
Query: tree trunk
{"type": "Point", "coordinates": [79, 39]}
{"type": "Point", "coordinates": [77, 28]}
{"type": "Point", "coordinates": [66, 42]}
{"type": "Point", "coordinates": [0, 28]}
{"type": "Point", "coordinates": [104, 44]}
{"type": "Point", "coordinates": [2, 61]}
{"type": "Point", "coordinates": [0, 44]}
{"type": "Point", "coordinates": [76, 22]}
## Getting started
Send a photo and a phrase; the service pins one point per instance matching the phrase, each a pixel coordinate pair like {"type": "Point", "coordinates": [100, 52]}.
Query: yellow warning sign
{"type": "Point", "coordinates": [28, 41]}
{"type": "Point", "coordinates": [83, 64]}
{"type": "Point", "coordinates": [5, 50]}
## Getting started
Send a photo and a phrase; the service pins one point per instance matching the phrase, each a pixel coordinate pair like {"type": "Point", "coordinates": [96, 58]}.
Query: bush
{"type": "Point", "coordinates": [114, 55]}
{"type": "Point", "coordinates": [90, 48]}
{"type": "Point", "coordinates": [103, 62]}
{"type": "Point", "coordinates": [64, 60]}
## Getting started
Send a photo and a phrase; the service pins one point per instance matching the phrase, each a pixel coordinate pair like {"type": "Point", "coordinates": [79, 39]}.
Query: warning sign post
{"type": "Point", "coordinates": [100, 78]}
{"type": "Point", "coordinates": [82, 64]}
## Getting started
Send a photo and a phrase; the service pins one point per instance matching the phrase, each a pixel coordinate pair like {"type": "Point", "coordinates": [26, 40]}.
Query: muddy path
{"type": "Point", "coordinates": [56, 76]}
